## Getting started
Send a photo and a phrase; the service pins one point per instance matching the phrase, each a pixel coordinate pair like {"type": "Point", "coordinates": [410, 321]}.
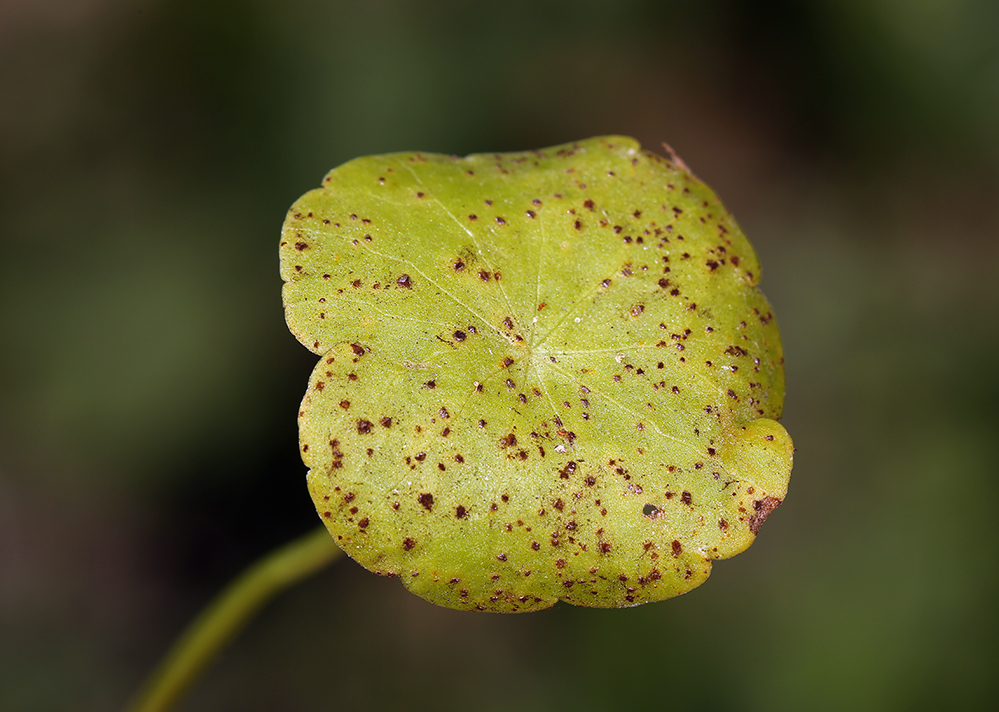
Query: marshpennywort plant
{"type": "Point", "coordinates": [541, 376]}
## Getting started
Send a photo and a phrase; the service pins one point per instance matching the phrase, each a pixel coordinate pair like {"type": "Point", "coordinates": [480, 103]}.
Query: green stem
{"type": "Point", "coordinates": [228, 613]}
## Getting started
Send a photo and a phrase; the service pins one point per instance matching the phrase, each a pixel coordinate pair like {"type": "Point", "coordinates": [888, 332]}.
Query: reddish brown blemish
{"type": "Point", "coordinates": [763, 508]}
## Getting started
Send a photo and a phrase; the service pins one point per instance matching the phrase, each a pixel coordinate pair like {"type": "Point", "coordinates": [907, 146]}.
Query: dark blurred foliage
{"type": "Point", "coordinates": [148, 153]}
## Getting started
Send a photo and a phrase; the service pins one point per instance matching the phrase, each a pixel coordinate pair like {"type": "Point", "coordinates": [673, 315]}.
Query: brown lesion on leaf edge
{"type": "Point", "coordinates": [763, 508]}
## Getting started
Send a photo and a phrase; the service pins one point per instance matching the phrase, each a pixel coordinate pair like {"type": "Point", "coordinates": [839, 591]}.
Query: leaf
{"type": "Point", "coordinates": [544, 375]}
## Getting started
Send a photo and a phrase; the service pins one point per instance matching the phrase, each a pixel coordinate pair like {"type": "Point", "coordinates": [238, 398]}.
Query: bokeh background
{"type": "Point", "coordinates": [148, 387]}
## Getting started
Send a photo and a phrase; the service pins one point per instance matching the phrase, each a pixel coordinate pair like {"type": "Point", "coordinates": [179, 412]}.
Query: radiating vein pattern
{"type": "Point", "coordinates": [542, 376]}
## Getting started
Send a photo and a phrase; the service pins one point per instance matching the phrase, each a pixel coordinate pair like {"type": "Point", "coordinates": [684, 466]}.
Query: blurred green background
{"type": "Point", "coordinates": [148, 387]}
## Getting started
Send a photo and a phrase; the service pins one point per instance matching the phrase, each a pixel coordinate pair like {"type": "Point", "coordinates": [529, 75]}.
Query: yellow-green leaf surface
{"type": "Point", "coordinates": [544, 375]}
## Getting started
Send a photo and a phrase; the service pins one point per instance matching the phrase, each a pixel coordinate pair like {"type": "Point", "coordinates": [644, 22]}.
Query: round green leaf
{"type": "Point", "coordinates": [544, 375]}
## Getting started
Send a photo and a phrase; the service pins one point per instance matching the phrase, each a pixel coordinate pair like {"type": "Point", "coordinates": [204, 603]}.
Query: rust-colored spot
{"type": "Point", "coordinates": [364, 427]}
{"type": "Point", "coordinates": [763, 509]}
{"type": "Point", "coordinates": [408, 544]}
{"type": "Point", "coordinates": [677, 548]}
{"type": "Point", "coordinates": [405, 282]}
{"type": "Point", "coordinates": [427, 500]}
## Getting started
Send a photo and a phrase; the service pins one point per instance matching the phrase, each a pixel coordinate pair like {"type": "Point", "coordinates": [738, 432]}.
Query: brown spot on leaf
{"type": "Point", "coordinates": [427, 500]}
{"type": "Point", "coordinates": [763, 509]}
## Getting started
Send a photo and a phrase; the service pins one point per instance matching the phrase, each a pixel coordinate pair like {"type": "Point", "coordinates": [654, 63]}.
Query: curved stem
{"type": "Point", "coordinates": [228, 613]}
